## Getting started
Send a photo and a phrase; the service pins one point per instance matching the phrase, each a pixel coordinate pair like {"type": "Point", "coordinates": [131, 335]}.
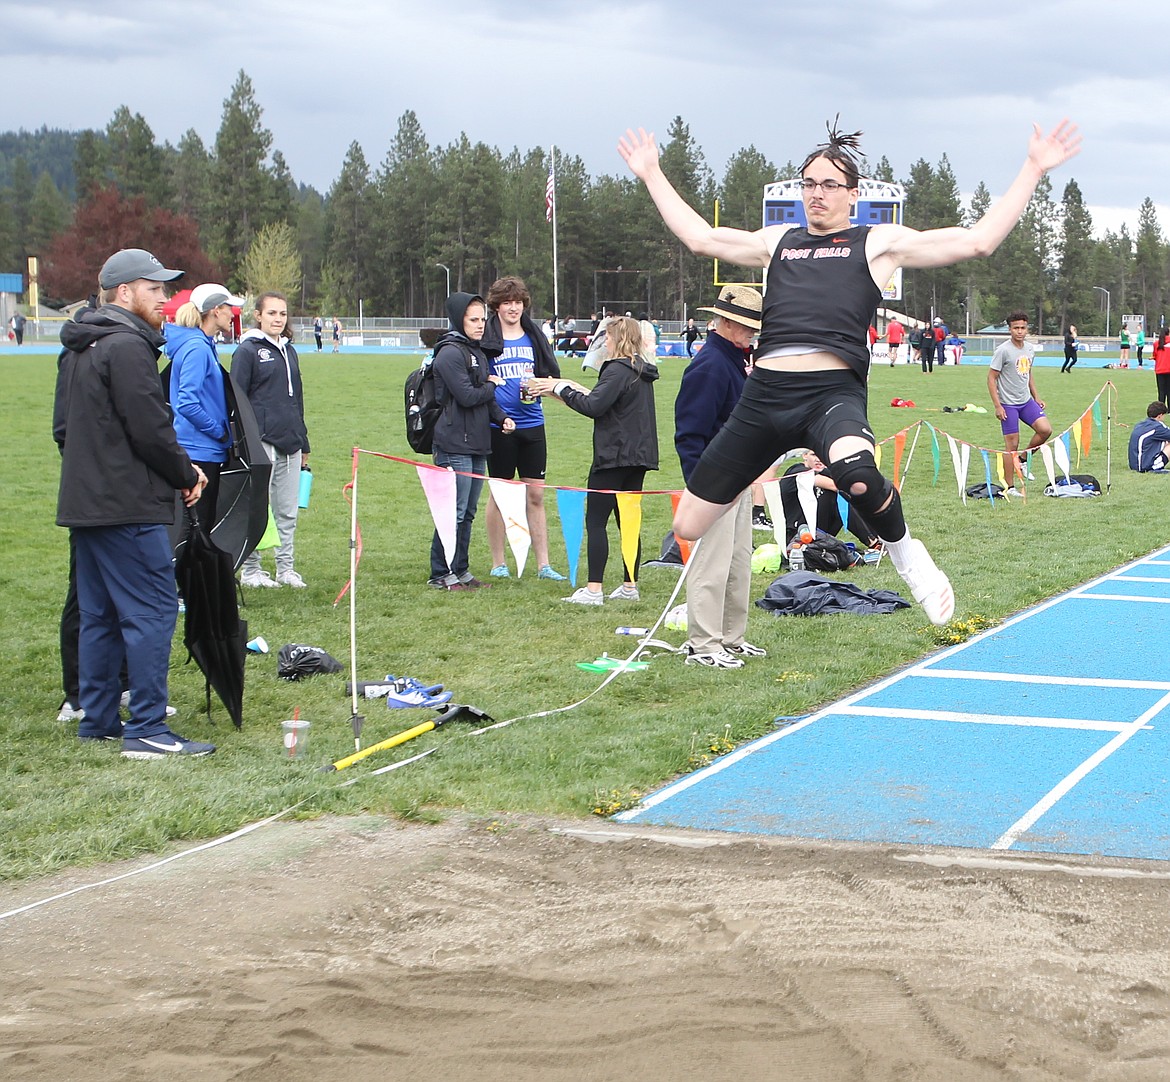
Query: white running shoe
{"type": "Point", "coordinates": [258, 579]}
{"type": "Point", "coordinates": [930, 587]}
{"type": "Point", "coordinates": [716, 659]}
{"type": "Point", "coordinates": [584, 596]}
{"type": "Point", "coordinates": [745, 649]}
{"type": "Point", "coordinates": [625, 593]}
{"type": "Point", "coordinates": [291, 578]}
{"type": "Point", "coordinates": [69, 712]}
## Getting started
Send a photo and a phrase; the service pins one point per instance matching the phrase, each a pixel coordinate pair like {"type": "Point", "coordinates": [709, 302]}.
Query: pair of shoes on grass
{"type": "Point", "coordinates": [585, 596]}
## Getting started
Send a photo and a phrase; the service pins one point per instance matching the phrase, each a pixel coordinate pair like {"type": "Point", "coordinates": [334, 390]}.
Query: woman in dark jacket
{"type": "Point", "coordinates": [463, 433]}
{"type": "Point", "coordinates": [625, 444]}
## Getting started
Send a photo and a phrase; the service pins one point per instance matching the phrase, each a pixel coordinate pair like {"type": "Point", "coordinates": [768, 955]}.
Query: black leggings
{"type": "Point", "coordinates": [1070, 358]}
{"type": "Point", "coordinates": [599, 506]}
{"type": "Point", "coordinates": [1163, 379]}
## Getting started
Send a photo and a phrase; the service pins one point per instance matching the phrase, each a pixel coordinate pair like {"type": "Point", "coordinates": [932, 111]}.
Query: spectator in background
{"type": "Point", "coordinates": [1071, 345]}
{"type": "Point", "coordinates": [336, 335]}
{"type": "Point", "coordinates": [267, 372]}
{"type": "Point", "coordinates": [517, 352]}
{"type": "Point", "coordinates": [957, 346]}
{"type": "Point", "coordinates": [197, 392]}
{"type": "Point", "coordinates": [1162, 364]}
{"type": "Point", "coordinates": [17, 323]}
{"type": "Point", "coordinates": [895, 333]}
{"type": "Point", "coordinates": [463, 433]}
{"type": "Point", "coordinates": [1149, 442]}
{"type": "Point", "coordinates": [1123, 342]}
{"type": "Point", "coordinates": [940, 332]}
{"type": "Point", "coordinates": [318, 330]}
{"type": "Point", "coordinates": [1013, 395]}
{"type": "Point", "coordinates": [828, 517]}
{"type": "Point", "coordinates": [120, 468]}
{"type": "Point", "coordinates": [1140, 342]}
{"type": "Point", "coordinates": [720, 577]}
{"type": "Point", "coordinates": [691, 333]}
{"type": "Point", "coordinates": [625, 445]}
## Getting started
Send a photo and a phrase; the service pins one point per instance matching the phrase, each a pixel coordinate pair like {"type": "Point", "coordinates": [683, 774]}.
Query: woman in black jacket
{"type": "Point", "coordinates": [463, 433]}
{"type": "Point", "coordinates": [625, 444]}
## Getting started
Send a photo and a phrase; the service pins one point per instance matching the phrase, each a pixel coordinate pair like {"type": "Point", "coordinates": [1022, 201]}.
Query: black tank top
{"type": "Point", "coordinates": [820, 293]}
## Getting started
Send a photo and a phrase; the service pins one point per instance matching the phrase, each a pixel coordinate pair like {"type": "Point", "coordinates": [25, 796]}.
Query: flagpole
{"type": "Point", "coordinates": [552, 174]}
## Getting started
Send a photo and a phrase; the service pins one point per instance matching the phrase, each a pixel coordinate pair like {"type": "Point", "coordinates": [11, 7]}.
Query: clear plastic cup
{"type": "Point", "coordinates": [296, 737]}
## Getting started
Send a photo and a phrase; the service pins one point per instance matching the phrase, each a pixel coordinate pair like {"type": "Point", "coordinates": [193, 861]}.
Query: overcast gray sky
{"type": "Point", "coordinates": [920, 77]}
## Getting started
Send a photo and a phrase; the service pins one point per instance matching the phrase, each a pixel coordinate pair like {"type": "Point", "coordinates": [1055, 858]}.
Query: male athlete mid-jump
{"type": "Point", "coordinates": [808, 386]}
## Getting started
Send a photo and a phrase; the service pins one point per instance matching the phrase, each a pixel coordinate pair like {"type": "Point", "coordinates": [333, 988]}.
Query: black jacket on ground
{"type": "Point", "coordinates": [120, 460]}
{"type": "Point", "coordinates": [625, 431]}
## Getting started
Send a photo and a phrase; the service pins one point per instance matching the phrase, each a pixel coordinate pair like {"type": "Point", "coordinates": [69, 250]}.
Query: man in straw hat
{"type": "Point", "coordinates": [719, 581]}
{"type": "Point", "coordinates": [823, 284]}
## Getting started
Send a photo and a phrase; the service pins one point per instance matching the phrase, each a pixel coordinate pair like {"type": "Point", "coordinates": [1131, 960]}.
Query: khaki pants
{"type": "Point", "coordinates": [719, 582]}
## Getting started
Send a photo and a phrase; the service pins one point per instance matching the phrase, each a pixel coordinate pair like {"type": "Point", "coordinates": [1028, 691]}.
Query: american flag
{"type": "Point", "coordinates": [549, 189]}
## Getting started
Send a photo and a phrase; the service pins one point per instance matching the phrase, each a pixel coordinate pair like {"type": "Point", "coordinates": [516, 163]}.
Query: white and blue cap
{"type": "Point", "coordinates": [130, 264]}
{"type": "Point", "coordinates": [209, 296]}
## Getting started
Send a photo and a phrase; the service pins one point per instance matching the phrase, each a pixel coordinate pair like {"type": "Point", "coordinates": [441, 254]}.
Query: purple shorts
{"type": "Point", "coordinates": [1027, 413]}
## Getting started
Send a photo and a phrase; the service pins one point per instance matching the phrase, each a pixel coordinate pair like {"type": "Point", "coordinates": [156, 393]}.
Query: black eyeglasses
{"type": "Point", "coordinates": [827, 186]}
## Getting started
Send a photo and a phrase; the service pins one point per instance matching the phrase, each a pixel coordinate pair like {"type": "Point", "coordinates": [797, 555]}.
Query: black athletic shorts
{"type": "Point", "coordinates": [777, 413]}
{"type": "Point", "coordinates": [522, 454]}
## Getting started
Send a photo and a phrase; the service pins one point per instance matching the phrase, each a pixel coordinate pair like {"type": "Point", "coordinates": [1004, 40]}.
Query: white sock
{"type": "Point", "coordinates": [899, 552]}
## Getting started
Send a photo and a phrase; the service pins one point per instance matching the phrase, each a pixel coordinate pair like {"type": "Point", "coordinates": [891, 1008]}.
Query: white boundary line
{"type": "Point", "coordinates": [1022, 720]}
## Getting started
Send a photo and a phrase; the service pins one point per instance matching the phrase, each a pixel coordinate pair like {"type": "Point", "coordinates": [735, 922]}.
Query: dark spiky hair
{"type": "Point", "coordinates": [843, 150]}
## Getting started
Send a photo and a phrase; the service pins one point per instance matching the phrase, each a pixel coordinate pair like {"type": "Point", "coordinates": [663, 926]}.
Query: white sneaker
{"type": "Point", "coordinates": [625, 593]}
{"type": "Point", "coordinates": [717, 659]}
{"type": "Point", "coordinates": [69, 712]}
{"type": "Point", "coordinates": [1012, 492]}
{"type": "Point", "coordinates": [258, 579]}
{"type": "Point", "coordinates": [745, 649]}
{"type": "Point", "coordinates": [930, 587]}
{"type": "Point", "coordinates": [584, 596]}
{"type": "Point", "coordinates": [290, 578]}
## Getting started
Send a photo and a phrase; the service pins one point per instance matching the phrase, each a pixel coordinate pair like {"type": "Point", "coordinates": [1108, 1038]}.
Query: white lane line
{"type": "Point", "coordinates": [1062, 788]}
{"type": "Point", "coordinates": [1033, 678]}
{"type": "Point", "coordinates": [1023, 720]}
{"type": "Point", "coordinates": [1142, 578]}
{"type": "Point", "coordinates": [1126, 597]}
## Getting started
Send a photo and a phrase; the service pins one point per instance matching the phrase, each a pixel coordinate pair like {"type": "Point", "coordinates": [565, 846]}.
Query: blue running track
{"type": "Point", "coordinates": [1047, 734]}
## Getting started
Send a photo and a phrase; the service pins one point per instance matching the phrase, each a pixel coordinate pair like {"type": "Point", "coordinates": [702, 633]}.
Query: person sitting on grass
{"type": "Point", "coordinates": [1149, 442]}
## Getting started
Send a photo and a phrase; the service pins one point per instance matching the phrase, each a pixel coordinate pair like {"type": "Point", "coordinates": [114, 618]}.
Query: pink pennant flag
{"type": "Point", "coordinates": [439, 488]}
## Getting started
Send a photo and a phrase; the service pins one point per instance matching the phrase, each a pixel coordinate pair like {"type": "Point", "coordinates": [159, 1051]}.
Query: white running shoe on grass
{"type": "Point", "coordinates": [929, 586]}
{"type": "Point", "coordinates": [584, 596]}
{"type": "Point", "coordinates": [625, 593]}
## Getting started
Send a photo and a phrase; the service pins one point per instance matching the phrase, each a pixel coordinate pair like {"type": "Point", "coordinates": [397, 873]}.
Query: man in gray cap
{"type": "Point", "coordinates": [120, 466]}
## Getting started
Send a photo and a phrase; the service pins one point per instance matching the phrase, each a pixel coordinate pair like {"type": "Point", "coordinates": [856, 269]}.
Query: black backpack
{"type": "Point", "coordinates": [422, 407]}
{"type": "Point", "coordinates": [826, 553]}
{"type": "Point", "coordinates": [422, 403]}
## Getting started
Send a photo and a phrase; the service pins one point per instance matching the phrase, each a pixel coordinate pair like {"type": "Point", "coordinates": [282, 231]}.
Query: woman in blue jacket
{"type": "Point", "coordinates": [197, 394]}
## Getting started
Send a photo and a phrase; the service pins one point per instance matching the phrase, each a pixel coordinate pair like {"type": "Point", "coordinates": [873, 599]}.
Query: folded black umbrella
{"type": "Point", "coordinates": [213, 632]}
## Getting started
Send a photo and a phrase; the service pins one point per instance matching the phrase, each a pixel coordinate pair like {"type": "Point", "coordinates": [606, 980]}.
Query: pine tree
{"type": "Point", "coordinates": [273, 263]}
{"type": "Point", "coordinates": [405, 194]}
{"type": "Point", "coordinates": [241, 182]}
{"type": "Point", "coordinates": [1076, 256]}
{"type": "Point", "coordinates": [349, 245]}
{"type": "Point", "coordinates": [136, 163]}
{"type": "Point", "coordinates": [49, 214]}
{"type": "Point", "coordinates": [686, 168]}
{"type": "Point", "coordinates": [1149, 262]}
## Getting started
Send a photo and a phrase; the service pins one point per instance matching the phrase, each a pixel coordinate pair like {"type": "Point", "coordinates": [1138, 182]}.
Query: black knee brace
{"type": "Point", "coordinates": [873, 487]}
{"type": "Point", "coordinates": [861, 470]}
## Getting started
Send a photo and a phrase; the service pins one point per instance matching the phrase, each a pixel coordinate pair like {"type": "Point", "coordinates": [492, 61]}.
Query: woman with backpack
{"type": "Point", "coordinates": [625, 445]}
{"type": "Point", "coordinates": [462, 440]}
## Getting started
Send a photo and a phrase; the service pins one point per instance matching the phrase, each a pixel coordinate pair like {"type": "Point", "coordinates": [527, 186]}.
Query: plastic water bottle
{"type": "Point", "coordinates": [632, 631]}
{"type": "Point", "coordinates": [796, 557]}
{"type": "Point", "coordinates": [804, 534]}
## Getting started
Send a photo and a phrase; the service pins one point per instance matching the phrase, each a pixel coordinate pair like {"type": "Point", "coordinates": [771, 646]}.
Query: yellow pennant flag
{"type": "Point", "coordinates": [630, 525]}
{"type": "Point", "coordinates": [1076, 435]}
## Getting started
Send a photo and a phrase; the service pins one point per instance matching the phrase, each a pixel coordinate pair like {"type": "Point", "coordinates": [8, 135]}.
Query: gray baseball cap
{"type": "Point", "coordinates": [130, 264]}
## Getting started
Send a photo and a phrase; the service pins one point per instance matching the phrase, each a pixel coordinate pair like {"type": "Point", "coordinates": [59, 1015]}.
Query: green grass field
{"type": "Point", "coordinates": [510, 650]}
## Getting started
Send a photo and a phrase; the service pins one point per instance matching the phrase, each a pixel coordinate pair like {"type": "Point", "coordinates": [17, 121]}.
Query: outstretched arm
{"type": "Point", "coordinates": [734, 245]}
{"type": "Point", "coordinates": [893, 246]}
